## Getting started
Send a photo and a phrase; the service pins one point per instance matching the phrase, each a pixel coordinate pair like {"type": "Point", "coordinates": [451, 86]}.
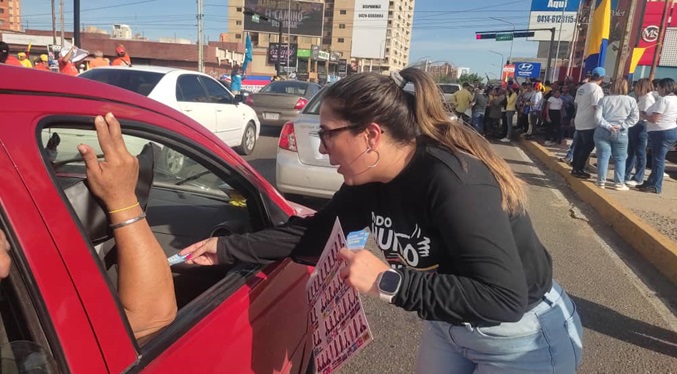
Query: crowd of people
{"type": "Point", "coordinates": [622, 124]}
{"type": "Point", "coordinates": [71, 61]}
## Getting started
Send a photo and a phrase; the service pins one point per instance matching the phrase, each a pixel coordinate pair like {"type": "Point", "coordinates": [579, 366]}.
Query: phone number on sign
{"type": "Point", "coordinates": [555, 19]}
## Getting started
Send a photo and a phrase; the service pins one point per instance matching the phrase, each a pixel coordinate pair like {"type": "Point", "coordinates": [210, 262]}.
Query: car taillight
{"type": "Point", "coordinates": [288, 138]}
{"type": "Point", "coordinates": [300, 104]}
{"type": "Point", "coordinates": [249, 101]}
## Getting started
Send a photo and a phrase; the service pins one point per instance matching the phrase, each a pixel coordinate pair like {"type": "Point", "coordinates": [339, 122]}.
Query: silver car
{"type": "Point", "coordinates": [300, 168]}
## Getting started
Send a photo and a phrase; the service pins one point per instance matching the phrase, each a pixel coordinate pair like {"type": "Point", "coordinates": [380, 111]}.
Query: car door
{"type": "Point", "coordinates": [240, 318]}
{"type": "Point", "coordinates": [194, 101]}
{"type": "Point", "coordinates": [230, 117]}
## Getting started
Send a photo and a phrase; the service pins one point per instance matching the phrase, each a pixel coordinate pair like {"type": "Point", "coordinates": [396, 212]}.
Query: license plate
{"type": "Point", "coordinates": [271, 116]}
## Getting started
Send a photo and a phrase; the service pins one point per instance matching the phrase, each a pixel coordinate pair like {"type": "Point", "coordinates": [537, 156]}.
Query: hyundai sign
{"type": "Point", "coordinates": [527, 69]}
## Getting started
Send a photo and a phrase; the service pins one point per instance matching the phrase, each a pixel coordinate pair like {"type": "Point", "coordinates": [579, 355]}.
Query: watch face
{"type": "Point", "coordinates": [390, 280]}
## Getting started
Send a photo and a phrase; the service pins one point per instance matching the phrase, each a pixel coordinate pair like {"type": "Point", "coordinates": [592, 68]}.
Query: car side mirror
{"type": "Point", "coordinates": [241, 97]}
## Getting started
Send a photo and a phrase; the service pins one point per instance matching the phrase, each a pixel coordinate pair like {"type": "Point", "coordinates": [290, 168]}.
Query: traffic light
{"type": "Point", "coordinates": [479, 36]}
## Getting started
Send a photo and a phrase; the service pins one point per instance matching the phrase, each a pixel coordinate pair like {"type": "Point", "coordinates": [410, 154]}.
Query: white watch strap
{"type": "Point", "coordinates": [386, 298]}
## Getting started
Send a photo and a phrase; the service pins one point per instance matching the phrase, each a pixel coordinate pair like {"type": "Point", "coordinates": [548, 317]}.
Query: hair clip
{"type": "Point", "coordinates": [397, 77]}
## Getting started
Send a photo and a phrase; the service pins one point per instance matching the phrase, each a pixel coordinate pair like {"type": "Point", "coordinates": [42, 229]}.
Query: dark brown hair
{"type": "Point", "coordinates": [371, 97]}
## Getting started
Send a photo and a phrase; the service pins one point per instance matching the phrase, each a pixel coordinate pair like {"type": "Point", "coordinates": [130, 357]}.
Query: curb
{"type": "Point", "coordinates": [655, 247]}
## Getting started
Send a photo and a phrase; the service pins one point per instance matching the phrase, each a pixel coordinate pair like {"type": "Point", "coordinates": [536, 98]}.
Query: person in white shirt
{"type": "Point", "coordinates": [616, 113]}
{"type": "Point", "coordinates": [587, 98]}
{"type": "Point", "coordinates": [638, 138]}
{"type": "Point", "coordinates": [553, 116]}
{"type": "Point", "coordinates": [662, 129]}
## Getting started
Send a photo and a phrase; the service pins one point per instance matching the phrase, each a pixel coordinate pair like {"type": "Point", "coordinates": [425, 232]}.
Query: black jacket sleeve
{"type": "Point", "coordinates": [303, 239]}
{"type": "Point", "coordinates": [487, 282]}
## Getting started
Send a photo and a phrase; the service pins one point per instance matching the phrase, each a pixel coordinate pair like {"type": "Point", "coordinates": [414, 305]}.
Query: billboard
{"type": "Point", "coordinates": [370, 24]}
{"type": "Point", "coordinates": [283, 55]}
{"type": "Point", "coordinates": [527, 69]}
{"type": "Point", "coordinates": [304, 19]}
{"type": "Point", "coordinates": [553, 13]}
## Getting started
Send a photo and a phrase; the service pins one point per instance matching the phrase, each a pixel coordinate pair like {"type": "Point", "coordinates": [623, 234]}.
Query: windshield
{"type": "Point", "coordinates": [448, 88]}
{"type": "Point", "coordinates": [141, 82]}
{"type": "Point", "coordinates": [313, 107]}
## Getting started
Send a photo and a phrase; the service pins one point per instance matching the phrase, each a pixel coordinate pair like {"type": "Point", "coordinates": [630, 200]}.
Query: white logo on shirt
{"type": "Point", "coordinates": [407, 247]}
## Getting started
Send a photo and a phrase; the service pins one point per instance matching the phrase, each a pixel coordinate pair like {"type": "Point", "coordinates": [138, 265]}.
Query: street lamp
{"type": "Point", "coordinates": [501, 64]}
{"type": "Point", "coordinates": [512, 41]}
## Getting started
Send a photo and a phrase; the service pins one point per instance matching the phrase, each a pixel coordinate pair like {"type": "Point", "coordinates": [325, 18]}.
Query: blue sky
{"type": "Point", "coordinates": [444, 30]}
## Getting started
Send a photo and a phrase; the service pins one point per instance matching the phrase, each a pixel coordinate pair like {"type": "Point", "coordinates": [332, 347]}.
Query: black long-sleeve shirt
{"type": "Point", "coordinates": [440, 223]}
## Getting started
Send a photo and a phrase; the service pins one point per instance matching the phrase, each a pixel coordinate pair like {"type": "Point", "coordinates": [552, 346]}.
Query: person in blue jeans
{"type": "Point", "coordinates": [662, 129]}
{"type": "Point", "coordinates": [638, 137]}
{"type": "Point", "coordinates": [616, 113]}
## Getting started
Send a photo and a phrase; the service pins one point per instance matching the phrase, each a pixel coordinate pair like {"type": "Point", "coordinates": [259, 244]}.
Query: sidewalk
{"type": "Point", "coordinates": [648, 222]}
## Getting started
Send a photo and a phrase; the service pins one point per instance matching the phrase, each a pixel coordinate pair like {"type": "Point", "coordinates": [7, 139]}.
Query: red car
{"type": "Point", "coordinates": [61, 293]}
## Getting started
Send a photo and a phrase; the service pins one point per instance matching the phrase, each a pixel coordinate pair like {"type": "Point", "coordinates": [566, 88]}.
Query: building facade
{"type": "Point", "coordinates": [356, 35]}
{"type": "Point", "coordinates": [10, 15]}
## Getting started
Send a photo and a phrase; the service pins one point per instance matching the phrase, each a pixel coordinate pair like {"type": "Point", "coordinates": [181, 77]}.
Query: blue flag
{"type": "Point", "coordinates": [248, 54]}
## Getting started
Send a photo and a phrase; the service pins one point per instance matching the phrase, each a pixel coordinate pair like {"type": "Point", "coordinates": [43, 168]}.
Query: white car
{"type": "Point", "coordinates": [300, 168]}
{"type": "Point", "coordinates": [197, 95]}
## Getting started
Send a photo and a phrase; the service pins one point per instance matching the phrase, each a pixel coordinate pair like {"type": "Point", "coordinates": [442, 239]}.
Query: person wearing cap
{"type": "Point", "coordinates": [6, 57]}
{"type": "Point", "coordinates": [587, 99]}
{"type": "Point", "coordinates": [98, 60]}
{"type": "Point", "coordinates": [42, 63]}
{"type": "Point", "coordinates": [122, 58]}
{"type": "Point", "coordinates": [24, 60]}
{"type": "Point", "coordinates": [66, 65]}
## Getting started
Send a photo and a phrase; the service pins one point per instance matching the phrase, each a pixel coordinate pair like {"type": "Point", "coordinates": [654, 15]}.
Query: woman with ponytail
{"type": "Point", "coordinates": [449, 216]}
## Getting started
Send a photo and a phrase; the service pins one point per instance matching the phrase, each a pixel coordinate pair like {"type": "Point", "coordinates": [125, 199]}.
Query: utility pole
{"type": "Point", "coordinates": [53, 23]}
{"type": "Point", "coordinates": [552, 41]}
{"type": "Point", "coordinates": [661, 36]}
{"type": "Point", "coordinates": [278, 67]}
{"type": "Point", "coordinates": [61, 20]}
{"type": "Point", "coordinates": [76, 22]}
{"type": "Point", "coordinates": [200, 32]}
{"type": "Point", "coordinates": [559, 40]}
{"type": "Point", "coordinates": [288, 33]}
{"type": "Point", "coordinates": [624, 46]}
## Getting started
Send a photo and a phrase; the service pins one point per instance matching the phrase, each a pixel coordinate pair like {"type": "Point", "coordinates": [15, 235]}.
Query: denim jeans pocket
{"type": "Point", "coordinates": [528, 326]}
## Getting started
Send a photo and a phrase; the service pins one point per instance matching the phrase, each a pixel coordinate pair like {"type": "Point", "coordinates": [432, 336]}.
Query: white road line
{"type": "Point", "coordinates": [661, 308]}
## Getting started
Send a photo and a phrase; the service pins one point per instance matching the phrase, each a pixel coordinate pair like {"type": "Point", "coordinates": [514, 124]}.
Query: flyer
{"type": "Point", "coordinates": [336, 314]}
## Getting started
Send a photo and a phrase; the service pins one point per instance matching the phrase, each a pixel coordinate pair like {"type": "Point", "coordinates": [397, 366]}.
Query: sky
{"type": "Point", "coordinates": [443, 31]}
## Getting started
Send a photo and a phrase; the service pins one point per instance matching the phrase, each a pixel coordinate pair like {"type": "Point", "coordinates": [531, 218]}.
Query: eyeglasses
{"type": "Point", "coordinates": [325, 134]}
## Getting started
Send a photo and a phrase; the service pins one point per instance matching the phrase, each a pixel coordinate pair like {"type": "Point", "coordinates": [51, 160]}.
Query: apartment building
{"type": "Point", "coordinates": [374, 34]}
{"type": "Point", "coordinates": [10, 15]}
{"type": "Point", "coordinates": [366, 35]}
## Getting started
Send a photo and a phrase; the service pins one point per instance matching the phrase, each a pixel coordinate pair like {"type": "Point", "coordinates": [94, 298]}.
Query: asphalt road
{"type": "Point", "coordinates": [627, 309]}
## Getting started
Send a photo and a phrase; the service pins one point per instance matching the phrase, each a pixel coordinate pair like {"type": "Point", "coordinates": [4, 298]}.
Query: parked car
{"type": "Point", "coordinates": [448, 89]}
{"type": "Point", "coordinates": [281, 101]}
{"type": "Point", "coordinates": [61, 293]}
{"type": "Point", "coordinates": [300, 168]}
{"type": "Point", "coordinates": [197, 95]}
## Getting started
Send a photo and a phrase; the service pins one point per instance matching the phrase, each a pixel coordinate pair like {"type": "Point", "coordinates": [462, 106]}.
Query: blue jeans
{"type": "Point", "coordinates": [508, 120]}
{"type": "Point", "coordinates": [638, 140]}
{"type": "Point", "coordinates": [570, 152]}
{"type": "Point", "coordinates": [478, 122]}
{"type": "Point", "coordinates": [614, 145]}
{"type": "Point", "coordinates": [548, 339]}
{"type": "Point", "coordinates": [660, 142]}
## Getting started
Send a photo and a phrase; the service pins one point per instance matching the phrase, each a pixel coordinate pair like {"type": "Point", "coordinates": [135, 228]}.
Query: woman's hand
{"type": "Point", "coordinates": [362, 270]}
{"type": "Point", "coordinates": [202, 253]}
{"type": "Point", "coordinates": [114, 179]}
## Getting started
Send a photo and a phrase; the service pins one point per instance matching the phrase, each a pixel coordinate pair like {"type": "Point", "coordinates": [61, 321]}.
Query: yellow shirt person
{"type": "Point", "coordinates": [23, 60]}
{"type": "Point", "coordinates": [462, 99]}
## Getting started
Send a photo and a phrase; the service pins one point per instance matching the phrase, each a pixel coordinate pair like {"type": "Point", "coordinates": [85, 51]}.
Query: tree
{"type": "Point", "coordinates": [470, 78]}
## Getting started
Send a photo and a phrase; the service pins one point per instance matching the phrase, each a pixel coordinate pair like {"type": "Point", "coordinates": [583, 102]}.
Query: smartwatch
{"type": "Point", "coordinates": [388, 284]}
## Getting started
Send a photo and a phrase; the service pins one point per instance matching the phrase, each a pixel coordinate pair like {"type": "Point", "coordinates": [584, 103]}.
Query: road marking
{"type": "Point", "coordinates": [661, 308]}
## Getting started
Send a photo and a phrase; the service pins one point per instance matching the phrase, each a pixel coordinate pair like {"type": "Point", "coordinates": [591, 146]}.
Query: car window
{"type": "Point", "coordinates": [189, 89]}
{"type": "Point", "coordinates": [287, 87]}
{"type": "Point", "coordinates": [142, 82]}
{"type": "Point", "coordinates": [193, 195]}
{"type": "Point", "coordinates": [313, 106]}
{"type": "Point", "coordinates": [22, 340]}
{"type": "Point", "coordinates": [217, 93]}
{"type": "Point", "coordinates": [448, 88]}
